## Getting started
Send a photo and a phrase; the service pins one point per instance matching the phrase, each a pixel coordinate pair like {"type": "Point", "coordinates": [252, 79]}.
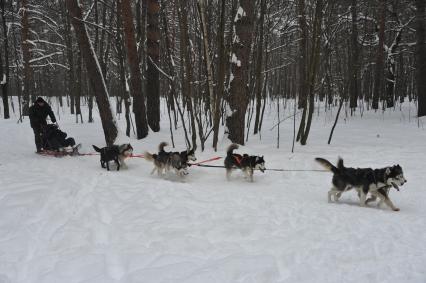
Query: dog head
{"type": "Point", "coordinates": [126, 149]}
{"type": "Point", "coordinates": [259, 163]}
{"type": "Point", "coordinates": [395, 176]}
{"type": "Point", "coordinates": [190, 154]}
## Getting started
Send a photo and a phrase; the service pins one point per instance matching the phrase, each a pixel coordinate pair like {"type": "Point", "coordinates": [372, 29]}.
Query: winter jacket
{"type": "Point", "coordinates": [38, 115]}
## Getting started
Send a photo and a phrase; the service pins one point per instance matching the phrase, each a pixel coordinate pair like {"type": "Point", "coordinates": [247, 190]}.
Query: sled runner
{"type": "Point", "coordinates": [66, 151]}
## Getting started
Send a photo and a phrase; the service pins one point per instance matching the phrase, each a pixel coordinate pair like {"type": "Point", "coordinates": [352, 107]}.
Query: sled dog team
{"type": "Point", "coordinates": [372, 183]}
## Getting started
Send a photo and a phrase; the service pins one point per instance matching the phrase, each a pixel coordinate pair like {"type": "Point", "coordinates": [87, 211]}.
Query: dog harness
{"type": "Point", "coordinates": [237, 159]}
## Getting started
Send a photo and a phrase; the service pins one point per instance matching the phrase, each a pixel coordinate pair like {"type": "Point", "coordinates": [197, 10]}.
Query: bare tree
{"type": "Point", "coordinates": [421, 56]}
{"type": "Point", "coordinates": [153, 61]}
{"type": "Point", "coordinates": [94, 72]}
{"type": "Point", "coordinates": [379, 69]}
{"type": "Point", "coordinates": [25, 44]}
{"type": "Point", "coordinates": [354, 58]}
{"type": "Point", "coordinates": [220, 74]}
{"type": "Point", "coordinates": [4, 70]}
{"type": "Point", "coordinates": [239, 93]}
{"type": "Point", "coordinates": [135, 73]}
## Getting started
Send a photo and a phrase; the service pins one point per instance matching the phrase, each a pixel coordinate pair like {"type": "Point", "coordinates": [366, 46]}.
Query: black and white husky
{"type": "Point", "coordinates": [166, 161]}
{"type": "Point", "coordinates": [247, 163]}
{"type": "Point", "coordinates": [377, 182]}
{"type": "Point", "coordinates": [116, 153]}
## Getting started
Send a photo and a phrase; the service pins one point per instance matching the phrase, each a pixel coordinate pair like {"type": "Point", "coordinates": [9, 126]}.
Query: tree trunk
{"type": "Point", "coordinates": [259, 65]}
{"type": "Point", "coordinates": [379, 76]}
{"type": "Point", "coordinates": [72, 87]}
{"type": "Point", "coordinates": [302, 62]}
{"type": "Point", "coordinates": [124, 92]}
{"type": "Point", "coordinates": [421, 57]}
{"type": "Point", "coordinates": [354, 58]}
{"type": "Point", "coordinates": [314, 63]}
{"type": "Point", "coordinates": [135, 73]}
{"type": "Point", "coordinates": [153, 60]}
{"type": "Point", "coordinates": [4, 72]}
{"type": "Point", "coordinates": [94, 72]}
{"type": "Point", "coordinates": [186, 59]}
{"type": "Point", "coordinates": [239, 93]}
{"type": "Point", "coordinates": [26, 56]}
{"type": "Point", "coordinates": [206, 46]}
{"type": "Point", "coordinates": [220, 74]}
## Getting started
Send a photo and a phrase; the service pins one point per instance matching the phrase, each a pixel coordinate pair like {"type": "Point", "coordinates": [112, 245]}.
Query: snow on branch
{"type": "Point", "coordinates": [47, 42]}
{"type": "Point", "coordinates": [160, 70]}
{"type": "Point", "coordinates": [46, 56]}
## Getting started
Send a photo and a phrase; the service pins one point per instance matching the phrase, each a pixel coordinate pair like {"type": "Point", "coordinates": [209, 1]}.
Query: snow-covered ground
{"type": "Point", "coordinates": [67, 220]}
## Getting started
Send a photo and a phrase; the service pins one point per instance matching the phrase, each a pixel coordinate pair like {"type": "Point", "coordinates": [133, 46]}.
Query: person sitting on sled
{"type": "Point", "coordinates": [38, 113]}
{"type": "Point", "coordinates": [55, 139]}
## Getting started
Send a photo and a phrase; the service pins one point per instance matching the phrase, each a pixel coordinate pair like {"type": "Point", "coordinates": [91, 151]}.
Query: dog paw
{"type": "Point", "coordinates": [396, 209]}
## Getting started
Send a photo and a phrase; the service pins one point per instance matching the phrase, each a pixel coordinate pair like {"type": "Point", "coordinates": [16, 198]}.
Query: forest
{"type": "Point", "coordinates": [212, 64]}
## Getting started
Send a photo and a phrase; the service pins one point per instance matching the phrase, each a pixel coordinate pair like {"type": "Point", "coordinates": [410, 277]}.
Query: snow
{"type": "Point", "coordinates": [240, 13]}
{"type": "Point", "coordinates": [235, 60]}
{"type": "Point", "coordinates": [67, 220]}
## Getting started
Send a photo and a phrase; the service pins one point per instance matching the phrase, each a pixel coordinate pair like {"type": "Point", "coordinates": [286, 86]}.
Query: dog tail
{"type": "Point", "coordinates": [327, 165]}
{"type": "Point", "coordinates": [231, 148]}
{"type": "Point", "coordinates": [96, 148]}
{"type": "Point", "coordinates": [340, 165]}
{"type": "Point", "coordinates": [161, 146]}
{"type": "Point", "coordinates": [148, 156]}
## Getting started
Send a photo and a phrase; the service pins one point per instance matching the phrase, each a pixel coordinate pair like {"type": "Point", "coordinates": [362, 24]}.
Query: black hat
{"type": "Point", "coordinates": [40, 100]}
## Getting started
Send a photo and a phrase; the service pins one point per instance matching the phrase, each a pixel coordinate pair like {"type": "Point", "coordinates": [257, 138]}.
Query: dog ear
{"type": "Point", "coordinates": [387, 172]}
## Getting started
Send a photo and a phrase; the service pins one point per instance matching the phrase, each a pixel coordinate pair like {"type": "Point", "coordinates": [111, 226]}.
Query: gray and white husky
{"type": "Point", "coordinates": [247, 163]}
{"type": "Point", "coordinates": [166, 161]}
{"type": "Point", "coordinates": [377, 182]}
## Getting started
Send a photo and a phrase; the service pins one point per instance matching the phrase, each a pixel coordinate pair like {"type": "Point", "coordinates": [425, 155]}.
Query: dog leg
{"type": "Point", "coordinates": [118, 164]}
{"type": "Point", "coordinates": [107, 165]}
{"type": "Point", "coordinates": [387, 200]}
{"type": "Point", "coordinates": [337, 195]}
{"type": "Point", "coordinates": [371, 199]}
{"type": "Point", "coordinates": [228, 174]}
{"type": "Point", "coordinates": [250, 173]}
{"type": "Point", "coordinates": [362, 198]}
{"type": "Point", "coordinates": [123, 164]}
{"type": "Point", "coordinates": [333, 192]}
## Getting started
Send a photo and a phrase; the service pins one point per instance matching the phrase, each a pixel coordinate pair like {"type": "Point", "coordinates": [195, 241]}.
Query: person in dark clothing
{"type": "Point", "coordinates": [55, 139]}
{"type": "Point", "coordinates": [38, 113]}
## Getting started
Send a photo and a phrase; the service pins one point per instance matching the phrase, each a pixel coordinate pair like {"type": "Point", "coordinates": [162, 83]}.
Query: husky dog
{"type": "Point", "coordinates": [377, 182]}
{"type": "Point", "coordinates": [116, 153]}
{"type": "Point", "coordinates": [165, 161]}
{"type": "Point", "coordinates": [247, 163]}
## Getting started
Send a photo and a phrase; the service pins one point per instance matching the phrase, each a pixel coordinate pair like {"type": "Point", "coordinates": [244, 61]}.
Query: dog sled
{"type": "Point", "coordinates": [56, 143]}
{"type": "Point", "coordinates": [65, 151]}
